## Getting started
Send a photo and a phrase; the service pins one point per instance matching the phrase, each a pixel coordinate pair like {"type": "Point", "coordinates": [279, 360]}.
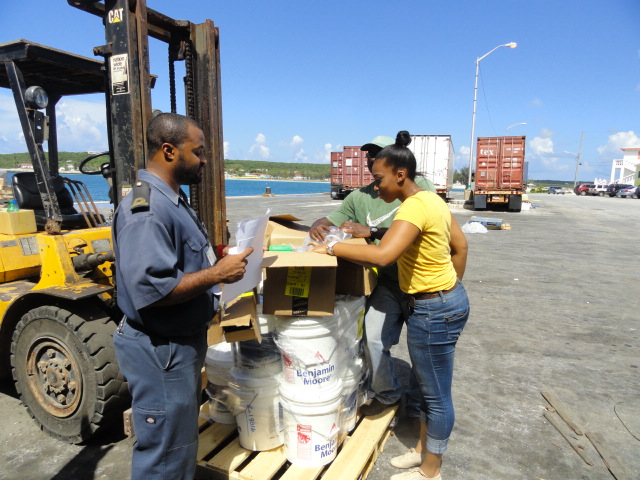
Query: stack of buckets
{"type": "Point", "coordinates": [320, 380]}
{"type": "Point", "coordinates": [218, 363]}
{"type": "Point", "coordinates": [302, 385]}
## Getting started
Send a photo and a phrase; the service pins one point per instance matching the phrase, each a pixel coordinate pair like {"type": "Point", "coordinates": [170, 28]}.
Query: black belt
{"type": "Point", "coordinates": [427, 295]}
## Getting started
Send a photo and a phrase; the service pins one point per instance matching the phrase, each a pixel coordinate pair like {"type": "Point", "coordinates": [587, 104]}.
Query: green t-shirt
{"type": "Point", "coordinates": [365, 207]}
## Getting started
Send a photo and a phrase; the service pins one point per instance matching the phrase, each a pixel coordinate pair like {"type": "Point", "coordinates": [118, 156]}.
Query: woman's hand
{"type": "Point", "coordinates": [356, 229]}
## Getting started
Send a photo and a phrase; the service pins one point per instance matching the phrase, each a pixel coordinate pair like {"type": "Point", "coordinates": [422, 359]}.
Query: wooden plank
{"type": "Point", "coordinates": [296, 472]}
{"type": "Point", "coordinates": [230, 457]}
{"type": "Point", "coordinates": [378, 450]}
{"type": "Point", "coordinates": [564, 411]}
{"type": "Point", "coordinates": [556, 424]}
{"type": "Point", "coordinates": [212, 437]}
{"type": "Point", "coordinates": [619, 470]}
{"type": "Point", "coordinates": [355, 454]}
{"type": "Point", "coordinates": [265, 465]}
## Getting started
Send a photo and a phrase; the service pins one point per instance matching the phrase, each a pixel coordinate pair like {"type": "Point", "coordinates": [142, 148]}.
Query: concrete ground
{"type": "Point", "coordinates": [555, 308]}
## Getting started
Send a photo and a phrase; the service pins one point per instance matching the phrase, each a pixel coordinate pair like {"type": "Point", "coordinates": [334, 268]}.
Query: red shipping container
{"type": "Point", "coordinates": [336, 167]}
{"type": "Point", "coordinates": [500, 163]}
{"type": "Point", "coordinates": [354, 168]}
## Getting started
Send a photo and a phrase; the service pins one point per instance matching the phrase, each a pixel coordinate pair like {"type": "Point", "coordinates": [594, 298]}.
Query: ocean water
{"type": "Point", "coordinates": [99, 189]}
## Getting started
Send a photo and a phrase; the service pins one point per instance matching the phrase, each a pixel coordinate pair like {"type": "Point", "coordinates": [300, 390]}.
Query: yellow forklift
{"type": "Point", "coordinates": [57, 295]}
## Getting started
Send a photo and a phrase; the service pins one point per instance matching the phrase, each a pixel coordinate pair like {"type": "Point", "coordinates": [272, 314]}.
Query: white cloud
{"type": "Point", "coordinates": [324, 156]}
{"type": "Point", "coordinates": [462, 157]}
{"type": "Point", "coordinates": [617, 141]}
{"type": "Point", "coordinates": [300, 157]}
{"type": "Point", "coordinates": [82, 126]}
{"type": "Point", "coordinates": [536, 102]}
{"type": "Point", "coordinates": [296, 141]}
{"type": "Point", "coordinates": [225, 146]}
{"type": "Point", "coordinates": [541, 151]}
{"type": "Point", "coordinates": [541, 146]}
{"type": "Point", "coordinates": [259, 151]}
{"type": "Point", "coordinates": [327, 152]}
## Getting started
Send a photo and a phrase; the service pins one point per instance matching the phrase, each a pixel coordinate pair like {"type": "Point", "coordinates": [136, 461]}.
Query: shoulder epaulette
{"type": "Point", "coordinates": [141, 193]}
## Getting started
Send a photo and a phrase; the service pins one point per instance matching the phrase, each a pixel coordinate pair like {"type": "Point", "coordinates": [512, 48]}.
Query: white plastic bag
{"type": "Point", "coordinates": [474, 227]}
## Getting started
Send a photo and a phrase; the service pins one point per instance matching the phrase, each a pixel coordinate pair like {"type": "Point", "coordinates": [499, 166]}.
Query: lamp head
{"type": "Point", "coordinates": [511, 45]}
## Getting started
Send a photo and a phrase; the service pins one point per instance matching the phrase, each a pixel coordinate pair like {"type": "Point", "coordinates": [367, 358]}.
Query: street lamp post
{"type": "Point", "coordinates": [507, 130]}
{"type": "Point", "coordinates": [475, 100]}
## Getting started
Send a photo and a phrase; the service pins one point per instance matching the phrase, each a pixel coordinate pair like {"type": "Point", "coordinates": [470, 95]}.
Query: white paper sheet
{"type": "Point", "coordinates": [249, 233]}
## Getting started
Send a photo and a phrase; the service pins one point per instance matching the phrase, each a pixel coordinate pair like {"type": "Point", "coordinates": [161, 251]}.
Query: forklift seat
{"type": "Point", "coordinates": [25, 190]}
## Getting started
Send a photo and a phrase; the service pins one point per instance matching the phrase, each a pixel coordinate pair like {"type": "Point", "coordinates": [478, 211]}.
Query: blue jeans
{"type": "Point", "coordinates": [433, 329]}
{"type": "Point", "coordinates": [384, 318]}
{"type": "Point", "coordinates": [164, 377]}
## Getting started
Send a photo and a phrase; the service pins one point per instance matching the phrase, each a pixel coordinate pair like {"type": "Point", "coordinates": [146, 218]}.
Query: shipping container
{"type": "Point", "coordinates": [500, 172]}
{"type": "Point", "coordinates": [350, 173]}
{"type": "Point", "coordinates": [434, 159]}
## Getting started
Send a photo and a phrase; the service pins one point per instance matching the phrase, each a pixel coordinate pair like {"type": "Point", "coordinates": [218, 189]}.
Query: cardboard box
{"type": "Point", "coordinates": [16, 223]}
{"type": "Point", "coordinates": [305, 283]}
{"type": "Point", "coordinates": [354, 279]}
{"type": "Point", "coordinates": [239, 321]}
{"type": "Point", "coordinates": [299, 284]}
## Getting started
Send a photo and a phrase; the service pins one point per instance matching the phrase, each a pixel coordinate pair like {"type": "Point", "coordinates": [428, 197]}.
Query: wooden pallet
{"type": "Point", "coordinates": [220, 456]}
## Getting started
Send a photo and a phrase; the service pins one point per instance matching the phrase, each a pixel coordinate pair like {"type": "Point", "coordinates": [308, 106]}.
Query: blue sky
{"type": "Point", "coordinates": [303, 78]}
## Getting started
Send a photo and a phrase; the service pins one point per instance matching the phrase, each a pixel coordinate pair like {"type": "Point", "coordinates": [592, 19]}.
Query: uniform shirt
{"type": "Point", "coordinates": [426, 265]}
{"type": "Point", "coordinates": [154, 249]}
{"type": "Point", "coordinates": [365, 207]}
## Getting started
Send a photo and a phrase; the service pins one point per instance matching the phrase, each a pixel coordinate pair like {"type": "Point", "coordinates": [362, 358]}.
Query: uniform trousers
{"type": "Point", "coordinates": [164, 377]}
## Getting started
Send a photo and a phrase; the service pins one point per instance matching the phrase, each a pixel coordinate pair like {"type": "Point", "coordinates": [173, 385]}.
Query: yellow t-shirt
{"type": "Point", "coordinates": [426, 265]}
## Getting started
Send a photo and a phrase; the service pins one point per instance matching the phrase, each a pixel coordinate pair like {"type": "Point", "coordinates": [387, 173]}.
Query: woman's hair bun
{"type": "Point", "coordinates": [403, 138]}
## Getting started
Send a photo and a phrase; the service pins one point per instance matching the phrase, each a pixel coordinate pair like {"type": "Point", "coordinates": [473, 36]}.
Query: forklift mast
{"type": "Point", "coordinates": [128, 25]}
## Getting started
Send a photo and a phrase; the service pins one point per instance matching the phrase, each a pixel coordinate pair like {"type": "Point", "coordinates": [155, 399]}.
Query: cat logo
{"type": "Point", "coordinates": [115, 15]}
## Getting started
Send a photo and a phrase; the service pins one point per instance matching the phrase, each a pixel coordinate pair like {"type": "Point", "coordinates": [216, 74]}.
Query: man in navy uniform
{"type": "Point", "coordinates": [166, 271]}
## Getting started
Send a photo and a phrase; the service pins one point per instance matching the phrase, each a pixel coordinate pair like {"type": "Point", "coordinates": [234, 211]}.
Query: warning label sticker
{"type": "Point", "coordinates": [120, 74]}
{"type": "Point", "coordinates": [298, 282]}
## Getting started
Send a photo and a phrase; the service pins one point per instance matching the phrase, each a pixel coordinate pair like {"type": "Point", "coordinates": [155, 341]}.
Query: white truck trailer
{"type": "Point", "coordinates": [434, 157]}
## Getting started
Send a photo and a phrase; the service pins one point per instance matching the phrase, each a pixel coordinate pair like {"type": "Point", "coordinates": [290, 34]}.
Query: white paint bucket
{"type": "Point", "coordinates": [218, 363]}
{"type": "Point", "coordinates": [311, 424]}
{"type": "Point", "coordinates": [351, 393]}
{"type": "Point", "coordinates": [257, 409]}
{"type": "Point", "coordinates": [263, 356]}
{"type": "Point", "coordinates": [266, 323]}
{"type": "Point", "coordinates": [350, 312]}
{"type": "Point", "coordinates": [312, 354]}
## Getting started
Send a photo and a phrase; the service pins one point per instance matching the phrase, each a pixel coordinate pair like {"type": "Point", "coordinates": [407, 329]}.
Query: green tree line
{"type": "Point", "coordinates": [72, 160]}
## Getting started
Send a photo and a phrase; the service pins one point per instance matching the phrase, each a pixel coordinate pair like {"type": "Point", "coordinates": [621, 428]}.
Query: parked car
{"type": "Point", "coordinates": [613, 188]}
{"type": "Point", "coordinates": [598, 190]}
{"type": "Point", "coordinates": [631, 192]}
{"type": "Point", "coordinates": [583, 189]}
{"type": "Point", "coordinates": [556, 190]}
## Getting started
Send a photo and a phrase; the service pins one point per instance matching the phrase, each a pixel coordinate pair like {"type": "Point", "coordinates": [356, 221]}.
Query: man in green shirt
{"type": "Point", "coordinates": [363, 214]}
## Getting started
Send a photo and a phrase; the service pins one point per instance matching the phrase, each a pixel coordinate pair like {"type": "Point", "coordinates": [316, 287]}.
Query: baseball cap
{"type": "Point", "coordinates": [377, 143]}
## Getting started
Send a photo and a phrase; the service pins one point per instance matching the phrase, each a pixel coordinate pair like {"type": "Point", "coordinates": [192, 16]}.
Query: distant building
{"type": "Point", "coordinates": [625, 170]}
{"type": "Point", "coordinates": [25, 166]}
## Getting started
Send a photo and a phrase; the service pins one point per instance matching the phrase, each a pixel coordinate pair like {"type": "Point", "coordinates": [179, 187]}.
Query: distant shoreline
{"type": "Point", "coordinates": [78, 172]}
{"type": "Point", "coordinates": [275, 180]}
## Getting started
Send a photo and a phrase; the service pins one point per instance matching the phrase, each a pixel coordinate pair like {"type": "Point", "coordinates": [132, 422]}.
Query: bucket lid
{"type": "Point", "coordinates": [220, 355]}
{"type": "Point", "coordinates": [307, 324]}
{"type": "Point", "coordinates": [316, 395]}
{"type": "Point", "coordinates": [251, 378]}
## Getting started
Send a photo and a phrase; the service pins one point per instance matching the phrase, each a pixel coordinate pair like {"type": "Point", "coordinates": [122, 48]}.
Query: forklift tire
{"type": "Point", "coordinates": [66, 373]}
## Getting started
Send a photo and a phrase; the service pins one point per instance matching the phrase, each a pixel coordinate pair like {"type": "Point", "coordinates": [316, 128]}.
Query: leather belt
{"type": "Point", "coordinates": [427, 295]}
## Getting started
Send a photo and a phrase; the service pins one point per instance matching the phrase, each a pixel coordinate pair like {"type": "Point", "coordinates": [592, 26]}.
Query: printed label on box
{"type": "Point", "coordinates": [298, 282]}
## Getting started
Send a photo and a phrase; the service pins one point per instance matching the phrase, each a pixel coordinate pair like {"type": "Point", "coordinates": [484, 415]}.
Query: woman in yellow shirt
{"type": "Point", "coordinates": [431, 252]}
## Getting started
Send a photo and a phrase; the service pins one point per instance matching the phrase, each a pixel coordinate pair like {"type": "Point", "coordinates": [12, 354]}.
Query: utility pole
{"type": "Point", "coordinates": [575, 179]}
